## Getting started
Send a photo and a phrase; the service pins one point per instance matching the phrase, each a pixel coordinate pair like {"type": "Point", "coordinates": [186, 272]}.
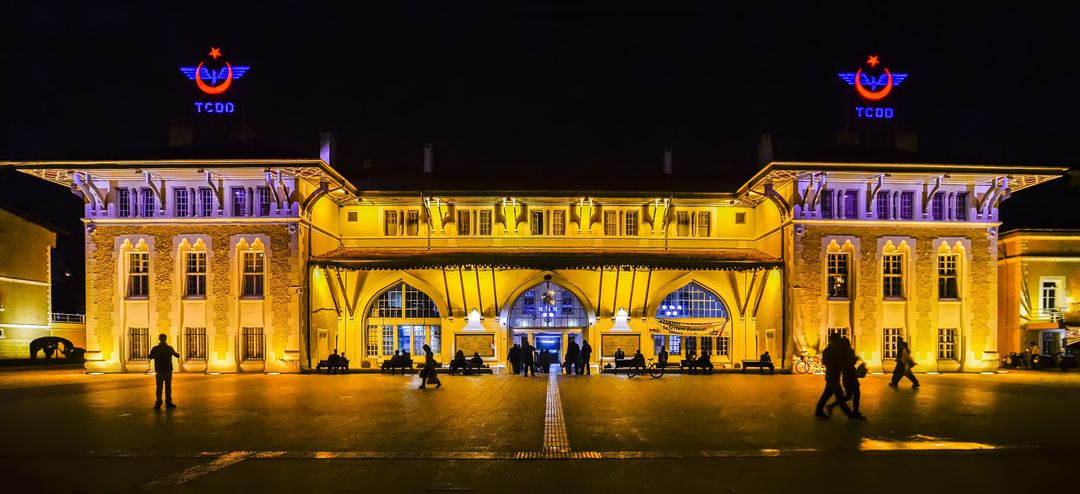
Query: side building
{"type": "Point", "coordinates": [25, 282]}
{"type": "Point", "coordinates": [268, 266]}
{"type": "Point", "coordinates": [1039, 273]}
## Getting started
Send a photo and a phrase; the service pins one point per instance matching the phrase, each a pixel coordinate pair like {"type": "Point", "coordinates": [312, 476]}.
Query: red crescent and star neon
{"type": "Point", "coordinates": [873, 95]}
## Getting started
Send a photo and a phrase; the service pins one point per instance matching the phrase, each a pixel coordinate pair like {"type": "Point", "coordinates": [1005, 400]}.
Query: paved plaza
{"type": "Point", "coordinates": [69, 432]}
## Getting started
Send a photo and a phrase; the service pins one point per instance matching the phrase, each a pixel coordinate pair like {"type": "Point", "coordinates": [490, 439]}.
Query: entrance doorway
{"type": "Point", "coordinates": [552, 343]}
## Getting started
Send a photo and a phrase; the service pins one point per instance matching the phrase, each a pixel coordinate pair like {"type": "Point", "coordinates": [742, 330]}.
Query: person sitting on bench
{"type": "Point", "coordinates": [691, 361]}
{"type": "Point", "coordinates": [459, 362]}
{"type": "Point", "coordinates": [766, 361]}
{"type": "Point", "coordinates": [333, 362]}
{"type": "Point", "coordinates": [476, 361]}
{"type": "Point", "coordinates": [639, 359]}
{"type": "Point", "coordinates": [619, 355]}
{"type": "Point", "coordinates": [705, 363]}
{"type": "Point", "coordinates": [343, 364]}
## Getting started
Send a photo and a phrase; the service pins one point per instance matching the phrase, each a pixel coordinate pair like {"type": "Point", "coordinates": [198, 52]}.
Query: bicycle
{"type": "Point", "coordinates": [650, 368]}
{"type": "Point", "coordinates": [809, 365]}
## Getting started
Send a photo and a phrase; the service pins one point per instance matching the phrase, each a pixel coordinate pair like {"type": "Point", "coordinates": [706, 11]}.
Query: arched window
{"type": "Point", "coordinates": [401, 320]}
{"type": "Point", "coordinates": [547, 305]}
{"type": "Point", "coordinates": [692, 301]}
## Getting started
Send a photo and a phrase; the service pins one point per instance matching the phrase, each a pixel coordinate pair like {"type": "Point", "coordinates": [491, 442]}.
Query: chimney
{"type": "Point", "coordinates": [326, 146]}
{"type": "Point", "coordinates": [667, 161]}
{"type": "Point", "coordinates": [765, 150]}
{"type": "Point", "coordinates": [429, 159]}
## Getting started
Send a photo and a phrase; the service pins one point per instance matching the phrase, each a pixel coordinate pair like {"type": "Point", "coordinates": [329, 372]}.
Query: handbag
{"type": "Point", "coordinates": [423, 372]}
{"type": "Point", "coordinates": [861, 370]}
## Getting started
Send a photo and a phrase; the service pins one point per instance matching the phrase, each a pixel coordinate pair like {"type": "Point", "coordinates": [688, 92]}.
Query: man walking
{"type": "Point", "coordinates": [904, 363]}
{"type": "Point", "coordinates": [573, 352]}
{"type": "Point", "coordinates": [162, 355]}
{"type": "Point", "coordinates": [514, 357]}
{"type": "Point", "coordinates": [527, 356]}
{"type": "Point", "coordinates": [586, 354]}
{"type": "Point", "coordinates": [835, 359]}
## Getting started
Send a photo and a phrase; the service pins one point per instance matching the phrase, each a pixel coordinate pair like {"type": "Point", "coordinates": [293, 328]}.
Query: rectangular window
{"type": "Point", "coordinates": [485, 222]}
{"type": "Point", "coordinates": [827, 203]}
{"type": "Point", "coordinates": [907, 205]}
{"type": "Point", "coordinates": [194, 343]}
{"type": "Point", "coordinates": [123, 203]}
{"type": "Point", "coordinates": [631, 224]}
{"type": "Point", "coordinates": [947, 276]}
{"type": "Point", "coordinates": [206, 200]}
{"type": "Point", "coordinates": [1048, 299]}
{"type": "Point", "coordinates": [704, 223]}
{"type": "Point", "coordinates": [707, 345]}
{"type": "Point", "coordinates": [138, 275]}
{"type": "Point", "coordinates": [691, 345]}
{"type": "Point", "coordinates": [387, 340]}
{"type": "Point", "coordinates": [181, 205]}
{"type": "Point", "coordinates": [890, 337]}
{"type": "Point", "coordinates": [195, 275]}
{"type": "Point", "coordinates": [251, 340]}
{"type": "Point", "coordinates": [740, 218]}
{"type": "Point", "coordinates": [436, 339]}
{"type": "Point", "coordinates": [851, 204]}
{"type": "Point", "coordinates": [239, 201]}
{"type": "Point", "coordinates": [391, 224]}
{"type": "Point", "coordinates": [371, 343]}
{"type": "Point", "coordinates": [352, 217]}
{"type": "Point", "coordinates": [946, 344]}
{"type": "Point", "coordinates": [841, 332]}
{"type": "Point", "coordinates": [412, 223]}
{"type": "Point", "coordinates": [658, 341]}
{"type": "Point", "coordinates": [937, 206]}
{"type": "Point", "coordinates": [138, 343]}
{"type": "Point", "coordinates": [893, 275]}
{"type": "Point", "coordinates": [611, 223]}
{"type": "Point", "coordinates": [537, 225]}
{"type": "Point", "coordinates": [722, 345]}
{"type": "Point", "coordinates": [838, 274]}
{"type": "Point", "coordinates": [962, 206]}
{"type": "Point", "coordinates": [253, 274]}
{"type": "Point", "coordinates": [558, 222]}
{"type": "Point", "coordinates": [682, 223]}
{"type": "Point", "coordinates": [883, 205]}
{"type": "Point", "coordinates": [147, 203]}
{"type": "Point", "coordinates": [464, 223]}
{"type": "Point", "coordinates": [263, 194]}
{"type": "Point", "coordinates": [674, 344]}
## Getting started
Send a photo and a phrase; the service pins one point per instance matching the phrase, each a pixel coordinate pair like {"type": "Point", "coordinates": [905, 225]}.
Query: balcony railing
{"type": "Point", "coordinates": [1055, 314]}
{"type": "Point", "coordinates": [63, 317]}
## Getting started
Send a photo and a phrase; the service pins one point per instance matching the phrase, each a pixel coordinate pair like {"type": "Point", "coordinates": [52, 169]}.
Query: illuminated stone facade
{"type": "Point", "coordinates": [25, 301]}
{"type": "Point", "coordinates": [1039, 276]}
{"type": "Point", "coordinates": [872, 251]}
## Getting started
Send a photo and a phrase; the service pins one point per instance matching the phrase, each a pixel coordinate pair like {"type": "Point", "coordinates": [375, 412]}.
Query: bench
{"type": "Point", "coordinates": [325, 364]}
{"type": "Point", "coordinates": [761, 366]}
{"type": "Point", "coordinates": [393, 365]}
{"type": "Point", "coordinates": [471, 368]}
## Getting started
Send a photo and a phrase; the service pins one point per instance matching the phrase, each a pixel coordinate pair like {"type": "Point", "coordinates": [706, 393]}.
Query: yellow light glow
{"type": "Point", "coordinates": [987, 373]}
{"type": "Point", "coordinates": [214, 373]}
{"type": "Point", "coordinates": [273, 373]}
{"type": "Point", "coordinates": [95, 373]}
{"type": "Point", "coordinates": [1002, 372]}
{"type": "Point", "coordinates": [922, 443]}
{"type": "Point", "coordinates": [932, 373]}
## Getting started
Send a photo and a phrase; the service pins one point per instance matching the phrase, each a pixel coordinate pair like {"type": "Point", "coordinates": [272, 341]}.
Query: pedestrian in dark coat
{"type": "Point", "coordinates": [834, 358]}
{"type": "Point", "coordinates": [904, 363]}
{"type": "Point", "coordinates": [162, 355]}
{"type": "Point", "coordinates": [429, 369]}
{"type": "Point", "coordinates": [514, 358]}
{"type": "Point", "coordinates": [849, 377]}
{"type": "Point", "coordinates": [573, 352]}
{"type": "Point", "coordinates": [586, 354]}
{"type": "Point", "coordinates": [527, 359]}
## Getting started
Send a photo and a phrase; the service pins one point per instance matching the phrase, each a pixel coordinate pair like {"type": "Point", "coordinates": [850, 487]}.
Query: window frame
{"type": "Point", "coordinates": [148, 202]}
{"type": "Point", "coordinates": [238, 201]}
{"type": "Point", "coordinates": [486, 224]}
{"type": "Point", "coordinates": [253, 344]}
{"type": "Point", "coordinates": [138, 344]}
{"type": "Point", "coordinates": [937, 206]}
{"type": "Point", "coordinates": [832, 270]}
{"type": "Point", "coordinates": [828, 206]}
{"type": "Point", "coordinates": [123, 203]}
{"type": "Point", "coordinates": [391, 223]}
{"type": "Point", "coordinates": [892, 282]}
{"type": "Point", "coordinates": [961, 205]}
{"type": "Point", "coordinates": [558, 222]}
{"type": "Point", "coordinates": [945, 276]}
{"type": "Point", "coordinates": [181, 203]}
{"type": "Point", "coordinates": [412, 222]}
{"type": "Point", "coordinates": [255, 271]}
{"type": "Point", "coordinates": [948, 344]}
{"type": "Point", "coordinates": [703, 223]}
{"type": "Point", "coordinates": [680, 224]}
{"type": "Point", "coordinates": [890, 342]}
{"type": "Point", "coordinates": [882, 207]}
{"type": "Point", "coordinates": [611, 223]}
{"type": "Point", "coordinates": [262, 195]}
{"type": "Point", "coordinates": [907, 212]}
{"type": "Point", "coordinates": [464, 223]}
{"type": "Point", "coordinates": [135, 289]}
{"type": "Point", "coordinates": [852, 197]}
{"type": "Point", "coordinates": [206, 202]}
{"type": "Point", "coordinates": [194, 344]}
{"type": "Point", "coordinates": [198, 276]}
{"type": "Point", "coordinates": [537, 227]}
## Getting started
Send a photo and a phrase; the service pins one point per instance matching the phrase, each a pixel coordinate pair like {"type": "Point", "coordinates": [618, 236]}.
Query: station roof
{"type": "Point", "coordinates": [439, 258]}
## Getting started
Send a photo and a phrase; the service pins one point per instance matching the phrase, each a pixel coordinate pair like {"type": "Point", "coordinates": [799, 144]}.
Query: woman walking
{"type": "Point", "coordinates": [429, 369]}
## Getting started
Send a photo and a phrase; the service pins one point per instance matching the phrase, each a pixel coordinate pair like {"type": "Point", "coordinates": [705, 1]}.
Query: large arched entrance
{"type": "Point", "coordinates": [399, 319]}
{"type": "Point", "coordinates": [549, 317]}
{"type": "Point", "coordinates": [694, 319]}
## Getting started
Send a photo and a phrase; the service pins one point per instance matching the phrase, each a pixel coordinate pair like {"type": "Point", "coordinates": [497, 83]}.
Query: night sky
{"type": "Point", "coordinates": [551, 91]}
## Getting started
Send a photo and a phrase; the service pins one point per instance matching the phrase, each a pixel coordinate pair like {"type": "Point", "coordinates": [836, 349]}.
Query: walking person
{"type": "Point", "coordinates": [527, 356]}
{"type": "Point", "coordinates": [514, 357]}
{"type": "Point", "coordinates": [586, 354]}
{"type": "Point", "coordinates": [573, 352]}
{"type": "Point", "coordinates": [662, 357]}
{"type": "Point", "coordinates": [430, 376]}
{"type": "Point", "coordinates": [834, 358]}
{"type": "Point", "coordinates": [904, 363]}
{"type": "Point", "coordinates": [162, 355]}
{"type": "Point", "coordinates": [853, 370]}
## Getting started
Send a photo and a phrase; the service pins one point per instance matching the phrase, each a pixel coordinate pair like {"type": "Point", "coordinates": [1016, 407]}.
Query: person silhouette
{"type": "Point", "coordinates": [834, 358]}
{"type": "Point", "coordinates": [459, 362]}
{"type": "Point", "coordinates": [849, 377]}
{"type": "Point", "coordinates": [904, 363]}
{"type": "Point", "coordinates": [573, 352]}
{"type": "Point", "coordinates": [430, 376]}
{"type": "Point", "coordinates": [514, 358]}
{"type": "Point", "coordinates": [662, 357]}
{"type": "Point", "coordinates": [527, 356]}
{"type": "Point", "coordinates": [162, 355]}
{"type": "Point", "coordinates": [586, 354]}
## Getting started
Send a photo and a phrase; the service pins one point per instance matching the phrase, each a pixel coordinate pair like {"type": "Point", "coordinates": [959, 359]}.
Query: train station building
{"type": "Point", "coordinates": [270, 265]}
